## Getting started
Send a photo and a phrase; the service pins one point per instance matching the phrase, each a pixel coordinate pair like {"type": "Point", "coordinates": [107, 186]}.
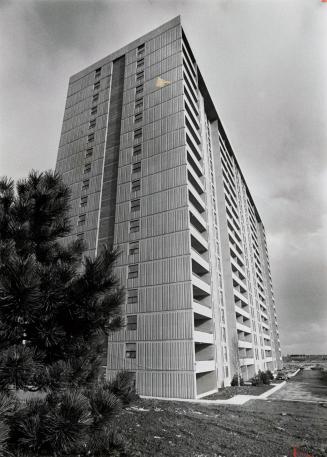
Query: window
{"type": "Point", "coordinates": [94, 110]}
{"type": "Point", "coordinates": [97, 72]}
{"type": "Point", "coordinates": [134, 248]}
{"type": "Point", "coordinates": [81, 219]}
{"type": "Point", "coordinates": [134, 225]}
{"type": "Point", "coordinates": [138, 117]}
{"type": "Point", "coordinates": [135, 205]}
{"type": "Point", "coordinates": [133, 271]}
{"type": "Point", "coordinates": [223, 334]}
{"type": "Point", "coordinates": [80, 236]}
{"type": "Point", "coordinates": [90, 137]}
{"type": "Point", "coordinates": [225, 354]}
{"type": "Point", "coordinates": [83, 202]}
{"type": "Point", "coordinates": [137, 149]}
{"type": "Point", "coordinates": [92, 124]}
{"type": "Point", "coordinates": [136, 185]}
{"type": "Point", "coordinates": [132, 296]}
{"type": "Point", "coordinates": [87, 168]}
{"type": "Point", "coordinates": [130, 351]}
{"type": "Point", "coordinates": [139, 89]}
{"type": "Point", "coordinates": [95, 98]}
{"type": "Point", "coordinates": [85, 184]}
{"type": "Point", "coordinates": [136, 167]}
{"type": "Point", "coordinates": [226, 372]}
{"type": "Point", "coordinates": [137, 133]}
{"type": "Point", "coordinates": [131, 322]}
{"type": "Point", "coordinates": [89, 152]}
{"type": "Point", "coordinates": [96, 85]}
{"type": "Point", "coordinates": [139, 105]}
{"type": "Point", "coordinates": [139, 63]}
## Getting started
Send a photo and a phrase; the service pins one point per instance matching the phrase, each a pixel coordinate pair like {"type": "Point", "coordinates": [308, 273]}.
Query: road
{"type": "Point", "coordinates": [305, 386]}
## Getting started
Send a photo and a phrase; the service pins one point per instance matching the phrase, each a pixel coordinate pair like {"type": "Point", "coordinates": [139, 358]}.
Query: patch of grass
{"type": "Point", "coordinates": [166, 428]}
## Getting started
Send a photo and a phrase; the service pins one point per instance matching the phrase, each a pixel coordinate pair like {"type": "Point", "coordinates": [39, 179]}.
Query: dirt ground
{"type": "Point", "coordinates": [259, 428]}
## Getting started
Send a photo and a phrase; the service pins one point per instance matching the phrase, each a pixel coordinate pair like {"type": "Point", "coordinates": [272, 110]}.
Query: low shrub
{"type": "Point", "coordinates": [270, 375]}
{"type": "Point", "coordinates": [265, 378]}
{"type": "Point", "coordinates": [123, 386]}
{"type": "Point", "coordinates": [260, 378]}
{"type": "Point", "coordinates": [256, 380]}
{"type": "Point", "coordinates": [237, 380]}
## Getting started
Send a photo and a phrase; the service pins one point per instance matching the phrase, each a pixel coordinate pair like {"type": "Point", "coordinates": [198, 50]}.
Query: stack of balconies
{"type": "Point", "coordinates": [260, 295]}
{"type": "Point", "coordinates": [204, 348]}
{"type": "Point", "coordinates": [240, 290]}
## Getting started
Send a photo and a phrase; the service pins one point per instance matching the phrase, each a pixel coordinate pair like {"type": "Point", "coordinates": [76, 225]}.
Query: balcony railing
{"type": "Point", "coordinates": [200, 288]}
{"type": "Point", "coordinates": [198, 242]}
{"type": "Point", "coordinates": [203, 337]}
{"type": "Point", "coordinates": [196, 219]}
{"type": "Point", "coordinates": [204, 365]}
{"type": "Point", "coordinates": [201, 309]}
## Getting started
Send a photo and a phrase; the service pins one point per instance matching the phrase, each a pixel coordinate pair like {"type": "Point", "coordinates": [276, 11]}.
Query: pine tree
{"type": "Point", "coordinates": [56, 310]}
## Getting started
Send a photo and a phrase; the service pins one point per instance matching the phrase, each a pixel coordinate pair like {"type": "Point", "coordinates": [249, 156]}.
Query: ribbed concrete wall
{"type": "Point", "coordinates": [163, 338]}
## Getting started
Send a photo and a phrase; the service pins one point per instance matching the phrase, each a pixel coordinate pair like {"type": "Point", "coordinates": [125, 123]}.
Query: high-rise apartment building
{"type": "Point", "coordinates": [152, 171]}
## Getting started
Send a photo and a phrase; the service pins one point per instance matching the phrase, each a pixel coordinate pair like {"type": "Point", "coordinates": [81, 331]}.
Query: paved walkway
{"type": "Point", "coordinates": [306, 386]}
{"type": "Point", "coordinates": [236, 400]}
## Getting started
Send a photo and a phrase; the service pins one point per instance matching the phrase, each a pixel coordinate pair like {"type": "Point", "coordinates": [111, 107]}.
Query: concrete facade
{"type": "Point", "coordinates": [151, 170]}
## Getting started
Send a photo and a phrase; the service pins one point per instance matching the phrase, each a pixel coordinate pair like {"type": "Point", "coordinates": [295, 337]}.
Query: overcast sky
{"type": "Point", "coordinates": [265, 65]}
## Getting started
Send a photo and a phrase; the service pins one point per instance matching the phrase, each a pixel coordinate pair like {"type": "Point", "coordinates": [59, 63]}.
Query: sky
{"type": "Point", "coordinates": [265, 65]}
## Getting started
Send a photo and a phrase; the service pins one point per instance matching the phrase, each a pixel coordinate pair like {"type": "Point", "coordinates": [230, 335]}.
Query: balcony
{"type": "Point", "coordinates": [244, 344]}
{"type": "Point", "coordinates": [198, 242]}
{"type": "Point", "coordinates": [204, 365]}
{"type": "Point", "coordinates": [268, 359]}
{"type": "Point", "coordinates": [266, 326]}
{"type": "Point", "coordinates": [242, 312]}
{"type": "Point", "coordinates": [190, 74]}
{"type": "Point", "coordinates": [194, 162]}
{"type": "Point", "coordinates": [236, 254]}
{"type": "Point", "coordinates": [246, 361]}
{"type": "Point", "coordinates": [199, 265]}
{"type": "Point", "coordinates": [200, 288]}
{"type": "Point", "coordinates": [232, 220]}
{"type": "Point", "coordinates": [234, 240]}
{"type": "Point", "coordinates": [194, 178]}
{"type": "Point", "coordinates": [264, 315]}
{"type": "Point", "coordinates": [262, 302]}
{"type": "Point", "coordinates": [192, 144]}
{"type": "Point", "coordinates": [189, 89]}
{"type": "Point", "coordinates": [192, 128]}
{"type": "Point", "coordinates": [188, 58]}
{"type": "Point", "coordinates": [202, 310]}
{"type": "Point", "coordinates": [196, 219]}
{"type": "Point", "coordinates": [192, 114]}
{"type": "Point", "coordinates": [195, 199]}
{"type": "Point", "coordinates": [203, 337]}
{"type": "Point", "coordinates": [243, 328]}
{"type": "Point", "coordinates": [239, 281]}
{"type": "Point", "coordinates": [240, 296]}
{"type": "Point", "coordinates": [238, 267]}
